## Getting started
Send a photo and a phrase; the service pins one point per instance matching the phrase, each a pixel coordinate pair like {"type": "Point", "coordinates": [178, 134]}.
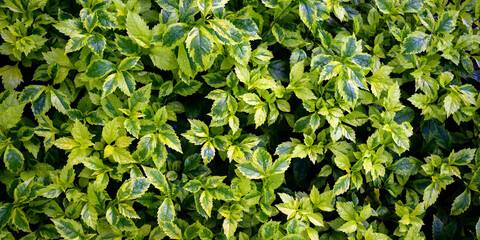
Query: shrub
{"type": "Point", "coordinates": [231, 119]}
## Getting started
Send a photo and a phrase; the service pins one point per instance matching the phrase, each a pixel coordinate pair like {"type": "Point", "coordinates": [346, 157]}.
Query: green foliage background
{"type": "Point", "coordinates": [239, 119]}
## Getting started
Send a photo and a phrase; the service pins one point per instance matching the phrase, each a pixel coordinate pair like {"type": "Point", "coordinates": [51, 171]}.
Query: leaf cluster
{"type": "Point", "coordinates": [240, 119]}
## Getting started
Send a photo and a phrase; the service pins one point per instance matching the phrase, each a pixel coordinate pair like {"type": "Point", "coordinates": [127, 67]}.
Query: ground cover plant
{"type": "Point", "coordinates": [239, 119]}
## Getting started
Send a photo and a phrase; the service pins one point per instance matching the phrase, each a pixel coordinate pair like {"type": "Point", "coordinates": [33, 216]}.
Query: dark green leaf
{"type": "Point", "coordinates": [128, 63]}
{"type": "Point", "coordinates": [96, 43]}
{"type": "Point", "coordinates": [342, 184]}
{"type": "Point", "coordinates": [166, 212]}
{"type": "Point", "coordinates": [126, 45]}
{"type": "Point", "coordinates": [5, 214]}
{"type": "Point", "coordinates": [385, 6]}
{"type": "Point", "coordinates": [175, 34]}
{"type": "Point", "coordinates": [13, 159]}
{"type": "Point", "coordinates": [156, 178]}
{"type": "Point", "coordinates": [406, 166]}
{"type": "Point", "coordinates": [251, 171]}
{"type": "Point", "coordinates": [447, 21]}
{"type": "Point", "coordinates": [132, 189]}
{"type": "Point", "coordinates": [171, 230]}
{"type": "Point", "coordinates": [100, 68]}
{"type": "Point", "coordinates": [69, 229]}
{"type": "Point", "coordinates": [416, 42]}
{"type": "Point", "coordinates": [200, 47]}
{"type": "Point", "coordinates": [461, 203]}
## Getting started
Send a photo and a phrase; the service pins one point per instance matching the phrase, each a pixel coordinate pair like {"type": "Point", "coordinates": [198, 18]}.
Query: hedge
{"type": "Point", "coordinates": [239, 119]}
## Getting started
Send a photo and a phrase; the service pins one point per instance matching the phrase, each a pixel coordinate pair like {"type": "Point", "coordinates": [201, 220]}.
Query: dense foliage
{"type": "Point", "coordinates": [239, 119]}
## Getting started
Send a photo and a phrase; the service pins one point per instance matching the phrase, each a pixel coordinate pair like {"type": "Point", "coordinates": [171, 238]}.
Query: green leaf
{"type": "Point", "coordinates": [205, 6]}
{"type": "Point", "coordinates": [250, 170]}
{"type": "Point", "coordinates": [430, 194]}
{"type": "Point", "coordinates": [241, 52]}
{"type": "Point", "coordinates": [251, 99]}
{"type": "Point", "coordinates": [200, 46]}
{"type": "Point", "coordinates": [349, 47]}
{"type": "Point", "coordinates": [5, 214]}
{"type": "Point", "coordinates": [11, 76]}
{"type": "Point", "coordinates": [462, 157]}
{"type": "Point", "coordinates": [89, 216]}
{"type": "Point", "coordinates": [452, 103]}
{"type": "Point", "coordinates": [127, 211]}
{"type": "Point", "coordinates": [349, 227]}
{"type": "Point", "coordinates": [348, 90]}
{"type": "Point", "coordinates": [199, 128]}
{"type": "Point", "coordinates": [81, 134]}
{"type": "Point", "coordinates": [185, 62]}
{"type": "Point", "coordinates": [226, 31]}
{"type": "Point", "coordinates": [60, 101]}
{"type": "Point", "coordinates": [193, 230]}
{"type": "Point", "coordinates": [206, 202]}
{"type": "Point", "coordinates": [229, 226]}
{"type": "Point", "coordinates": [260, 115]}
{"type": "Point", "coordinates": [126, 82]}
{"type": "Point", "coordinates": [132, 188]}
{"type": "Point", "coordinates": [68, 229]}
{"type": "Point", "coordinates": [163, 58]}
{"type": "Point", "coordinates": [97, 43]}
{"type": "Point", "coordinates": [171, 230]}
{"type": "Point", "coordinates": [110, 131]}
{"type": "Point", "coordinates": [156, 178]}
{"type": "Point", "coordinates": [346, 210]}
{"type": "Point", "coordinates": [69, 27]}
{"type": "Point", "coordinates": [119, 221]}
{"type": "Point", "coordinates": [31, 92]}
{"type": "Point", "coordinates": [406, 166]}
{"type": "Point", "coordinates": [110, 84]}
{"type": "Point", "coordinates": [11, 111]}
{"type": "Point", "coordinates": [51, 191]}
{"type": "Point", "coordinates": [269, 229]}
{"type": "Point", "coordinates": [13, 159]}
{"type": "Point", "coordinates": [416, 42]}
{"type": "Point", "coordinates": [128, 63]}
{"type": "Point", "coordinates": [412, 6]}
{"type": "Point", "coordinates": [316, 219]}
{"type": "Point", "coordinates": [126, 45]}
{"type": "Point", "coordinates": [193, 186]}
{"type": "Point", "coordinates": [207, 152]}
{"type": "Point", "coordinates": [363, 60]}
{"type": "Point", "coordinates": [223, 192]}
{"type": "Point", "coordinates": [270, 3]}
{"type": "Point", "coordinates": [139, 100]}
{"type": "Point", "coordinates": [175, 34]}
{"type": "Point", "coordinates": [330, 70]}
{"type": "Point", "coordinates": [477, 228]}
{"type": "Point", "coordinates": [461, 203]}
{"type": "Point", "coordinates": [304, 93]}
{"type": "Point", "coordinates": [280, 165]}
{"type": "Point", "coordinates": [106, 19]}
{"type": "Point", "coordinates": [137, 29]}
{"type": "Point", "coordinates": [166, 212]}
{"type": "Point", "coordinates": [308, 13]}
{"type": "Point", "coordinates": [167, 136]}
{"type": "Point", "coordinates": [90, 22]}
{"type": "Point", "coordinates": [342, 184]}
{"type": "Point", "coordinates": [122, 156]}
{"type": "Point", "coordinates": [447, 21]}
{"type": "Point", "coordinates": [262, 158]}
{"type": "Point", "coordinates": [99, 68]}
{"type": "Point", "coordinates": [385, 6]}
{"type": "Point", "coordinates": [185, 89]}
{"type": "Point", "coordinates": [169, 5]}
{"type": "Point", "coordinates": [66, 143]}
